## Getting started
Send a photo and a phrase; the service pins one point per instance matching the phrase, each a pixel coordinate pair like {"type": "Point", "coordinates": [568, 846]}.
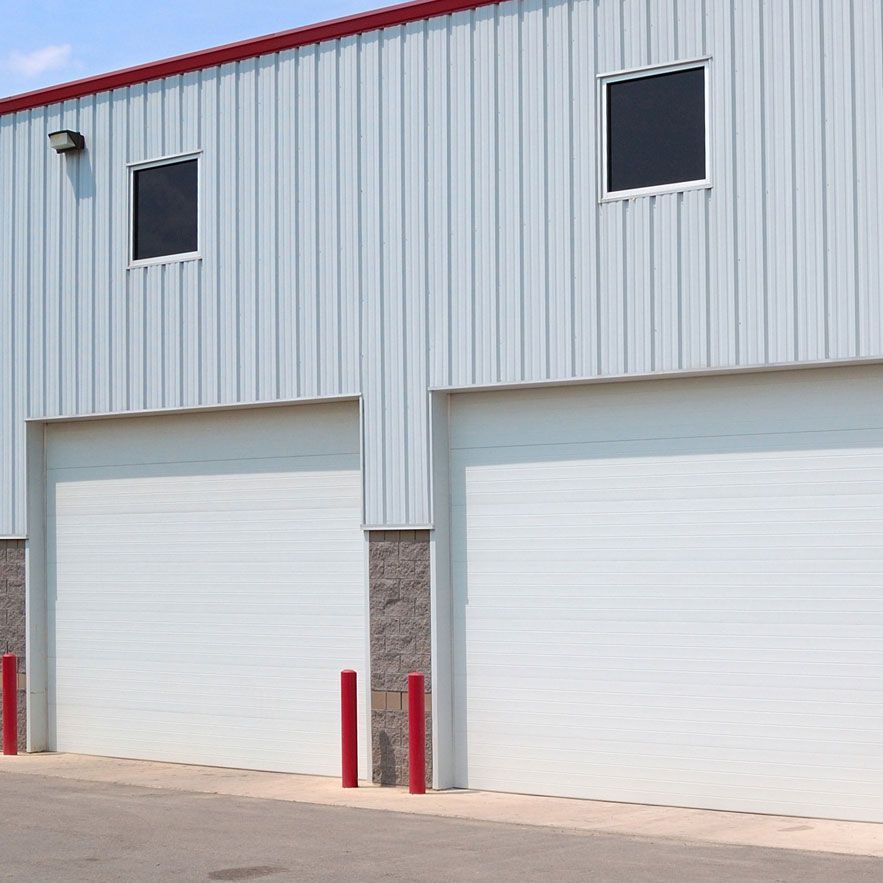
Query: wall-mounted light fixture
{"type": "Point", "coordinates": [66, 140]}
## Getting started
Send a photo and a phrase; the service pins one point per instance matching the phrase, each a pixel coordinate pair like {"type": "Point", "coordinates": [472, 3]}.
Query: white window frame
{"type": "Point", "coordinates": [604, 80]}
{"type": "Point", "coordinates": [168, 160]}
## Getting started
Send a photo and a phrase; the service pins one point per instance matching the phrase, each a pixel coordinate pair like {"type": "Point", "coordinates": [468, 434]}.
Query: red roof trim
{"type": "Point", "coordinates": [304, 36]}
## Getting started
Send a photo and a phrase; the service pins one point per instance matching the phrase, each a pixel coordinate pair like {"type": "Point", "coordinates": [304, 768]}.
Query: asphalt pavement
{"type": "Point", "coordinates": [54, 829]}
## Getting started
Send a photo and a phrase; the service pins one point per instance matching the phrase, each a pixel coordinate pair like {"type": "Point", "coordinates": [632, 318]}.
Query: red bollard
{"type": "Point", "coordinates": [416, 734]}
{"type": "Point", "coordinates": [349, 735]}
{"type": "Point", "coordinates": [10, 704]}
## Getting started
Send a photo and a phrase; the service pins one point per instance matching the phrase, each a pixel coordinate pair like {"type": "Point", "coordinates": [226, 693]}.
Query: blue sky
{"type": "Point", "coordinates": [43, 42]}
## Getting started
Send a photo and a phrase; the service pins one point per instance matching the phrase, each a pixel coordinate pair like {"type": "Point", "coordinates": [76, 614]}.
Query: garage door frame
{"type": "Point", "coordinates": [442, 426]}
{"type": "Point", "coordinates": [36, 591]}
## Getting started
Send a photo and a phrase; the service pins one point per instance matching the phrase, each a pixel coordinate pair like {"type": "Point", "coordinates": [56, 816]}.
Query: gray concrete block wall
{"type": "Point", "coordinates": [400, 643]}
{"type": "Point", "coordinates": [12, 617]}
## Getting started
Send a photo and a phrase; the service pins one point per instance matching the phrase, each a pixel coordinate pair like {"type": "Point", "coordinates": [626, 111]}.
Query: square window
{"type": "Point", "coordinates": [655, 131]}
{"type": "Point", "coordinates": [165, 210]}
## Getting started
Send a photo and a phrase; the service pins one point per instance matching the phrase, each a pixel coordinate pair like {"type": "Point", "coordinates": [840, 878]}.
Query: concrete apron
{"type": "Point", "coordinates": [707, 826]}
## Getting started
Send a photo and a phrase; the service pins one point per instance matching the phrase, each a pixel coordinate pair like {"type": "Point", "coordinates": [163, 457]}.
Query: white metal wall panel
{"type": "Point", "coordinates": [417, 207]}
{"type": "Point", "coordinates": [670, 592]}
{"type": "Point", "coordinates": [206, 586]}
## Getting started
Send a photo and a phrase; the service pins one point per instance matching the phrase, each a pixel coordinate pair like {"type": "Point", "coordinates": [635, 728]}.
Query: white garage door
{"type": "Point", "coordinates": [206, 585]}
{"type": "Point", "coordinates": [672, 592]}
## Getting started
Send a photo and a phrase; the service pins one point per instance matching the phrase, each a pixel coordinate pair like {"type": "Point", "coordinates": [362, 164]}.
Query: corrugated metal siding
{"type": "Point", "coordinates": [417, 207]}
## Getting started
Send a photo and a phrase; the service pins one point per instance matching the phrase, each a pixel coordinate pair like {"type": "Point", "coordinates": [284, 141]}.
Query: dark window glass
{"type": "Point", "coordinates": [656, 130]}
{"type": "Point", "coordinates": [165, 221]}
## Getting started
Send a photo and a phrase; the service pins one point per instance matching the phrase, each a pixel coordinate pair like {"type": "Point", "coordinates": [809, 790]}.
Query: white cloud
{"type": "Point", "coordinates": [32, 64]}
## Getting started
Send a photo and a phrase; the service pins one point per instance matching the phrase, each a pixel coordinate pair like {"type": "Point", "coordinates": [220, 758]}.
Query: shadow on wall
{"type": "Point", "coordinates": [12, 618]}
{"type": "Point", "coordinates": [387, 772]}
{"type": "Point", "coordinates": [79, 171]}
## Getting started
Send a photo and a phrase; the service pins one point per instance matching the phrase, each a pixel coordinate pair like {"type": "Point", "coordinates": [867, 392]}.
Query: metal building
{"type": "Point", "coordinates": [535, 344]}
